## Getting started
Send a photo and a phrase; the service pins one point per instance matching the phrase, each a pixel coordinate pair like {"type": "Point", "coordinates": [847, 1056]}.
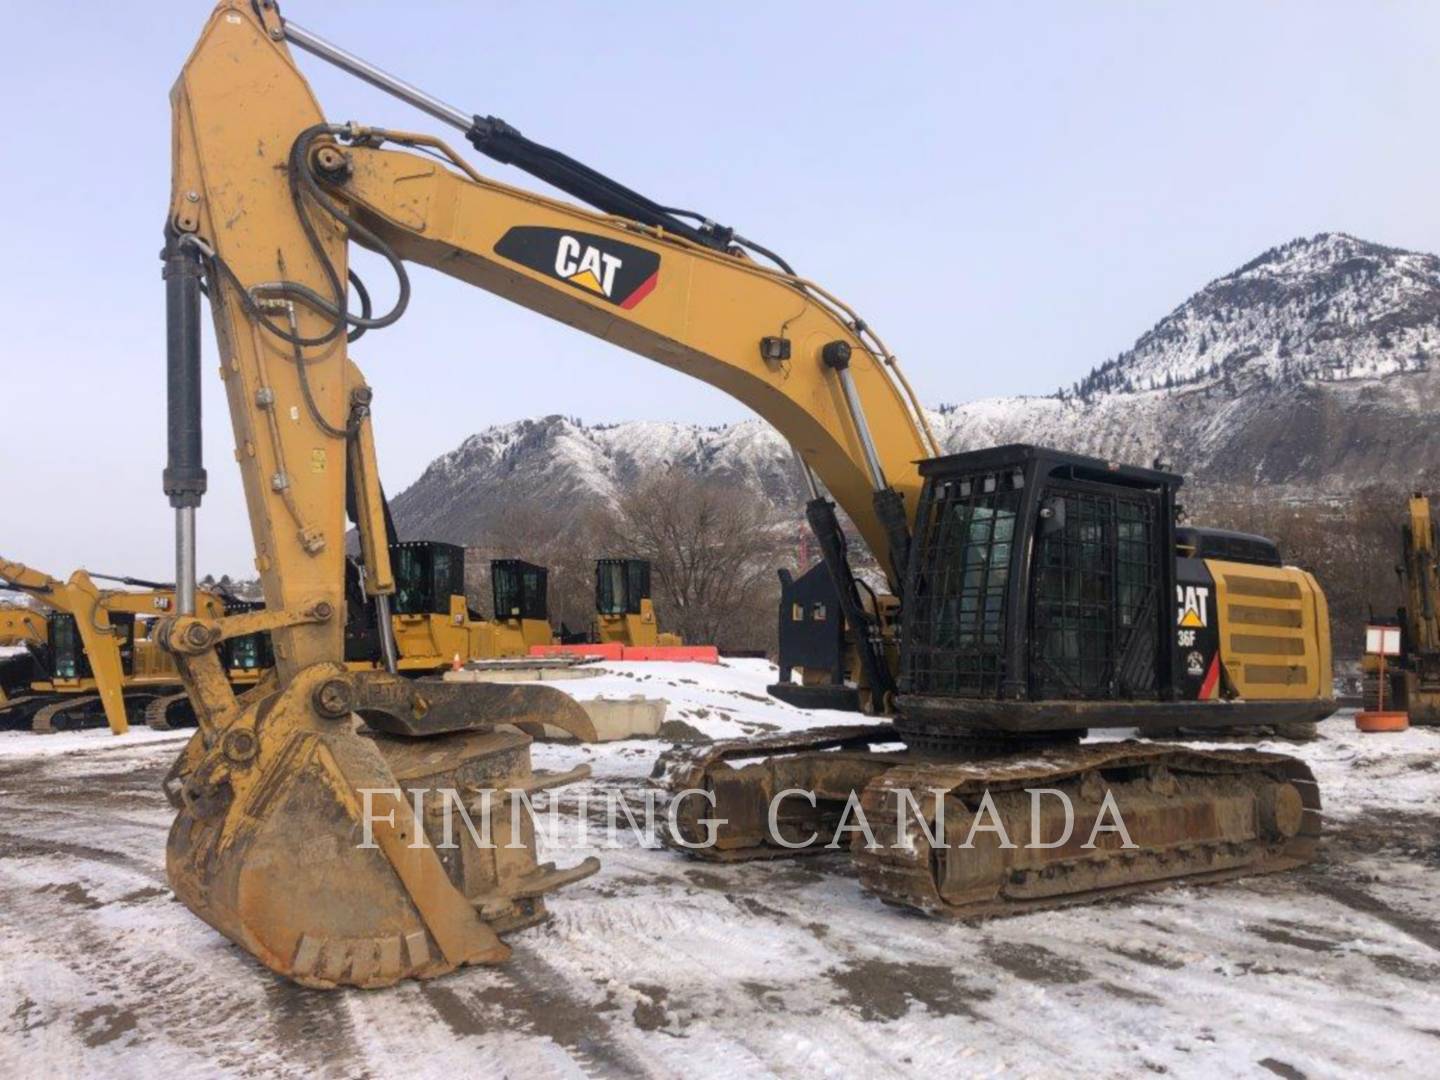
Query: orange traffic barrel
{"type": "Point", "coordinates": [1371, 721]}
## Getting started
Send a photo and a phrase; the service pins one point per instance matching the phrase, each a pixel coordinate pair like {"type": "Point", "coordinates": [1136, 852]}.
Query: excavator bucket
{"type": "Point", "coordinates": [339, 855]}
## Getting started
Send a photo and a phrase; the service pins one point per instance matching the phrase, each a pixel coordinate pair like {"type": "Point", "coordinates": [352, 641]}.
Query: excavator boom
{"type": "Point", "coordinates": [80, 598]}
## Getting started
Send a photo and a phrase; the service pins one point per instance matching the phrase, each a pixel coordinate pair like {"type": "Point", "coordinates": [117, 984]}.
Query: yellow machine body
{"type": "Point", "coordinates": [635, 629]}
{"type": "Point", "coordinates": [1274, 632]}
{"type": "Point", "coordinates": [430, 642]}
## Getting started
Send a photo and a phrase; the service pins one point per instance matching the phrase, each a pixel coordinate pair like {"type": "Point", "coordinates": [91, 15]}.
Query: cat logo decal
{"type": "Point", "coordinates": [1194, 601]}
{"type": "Point", "coordinates": [620, 273]}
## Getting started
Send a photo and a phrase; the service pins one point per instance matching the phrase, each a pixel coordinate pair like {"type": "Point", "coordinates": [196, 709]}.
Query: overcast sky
{"type": "Point", "coordinates": [1010, 193]}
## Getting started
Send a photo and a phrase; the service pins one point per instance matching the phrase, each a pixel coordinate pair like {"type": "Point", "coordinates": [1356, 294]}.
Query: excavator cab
{"type": "Point", "coordinates": [1046, 594]}
{"type": "Point", "coordinates": [68, 660]}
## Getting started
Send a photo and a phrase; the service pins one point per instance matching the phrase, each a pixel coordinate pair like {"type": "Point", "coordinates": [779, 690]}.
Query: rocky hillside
{"type": "Point", "coordinates": [1307, 370]}
{"type": "Point", "coordinates": [555, 461]}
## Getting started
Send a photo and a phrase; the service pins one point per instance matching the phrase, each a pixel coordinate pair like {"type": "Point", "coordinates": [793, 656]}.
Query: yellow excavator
{"type": "Point", "coordinates": [22, 626]}
{"type": "Point", "coordinates": [27, 629]}
{"type": "Point", "coordinates": [89, 646]}
{"type": "Point", "coordinates": [1414, 683]}
{"type": "Point", "coordinates": [1037, 590]}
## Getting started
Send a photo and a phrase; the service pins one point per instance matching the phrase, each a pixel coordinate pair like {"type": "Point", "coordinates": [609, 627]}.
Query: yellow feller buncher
{"type": "Point", "coordinates": [431, 620]}
{"type": "Point", "coordinates": [624, 613]}
{"type": "Point", "coordinates": [1037, 591]}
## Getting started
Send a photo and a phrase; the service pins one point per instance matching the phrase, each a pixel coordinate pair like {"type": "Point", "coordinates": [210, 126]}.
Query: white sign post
{"type": "Point", "coordinates": [1382, 641]}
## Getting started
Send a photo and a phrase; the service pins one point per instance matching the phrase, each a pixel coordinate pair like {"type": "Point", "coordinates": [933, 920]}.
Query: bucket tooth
{"type": "Point", "coordinates": [388, 968]}
{"type": "Point", "coordinates": [364, 961]}
{"type": "Point", "coordinates": [335, 961]}
{"type": "Point", "coordinates": [417, 948]}
{"type": "Point", "coordinates": [307, 956]}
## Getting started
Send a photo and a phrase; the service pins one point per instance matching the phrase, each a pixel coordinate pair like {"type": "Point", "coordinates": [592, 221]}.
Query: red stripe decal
{"type": "Point", "coordinates": [1211, 678]}
{"type": "Point", "coordinates": [644, 289]}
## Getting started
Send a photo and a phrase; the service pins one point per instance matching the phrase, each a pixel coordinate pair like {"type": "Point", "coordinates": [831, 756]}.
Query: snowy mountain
{"type": "Point", "coordinates": [554, 461]}
{"type": "Point", "coordinates": [1306, 370]}
{"type": "Point", "coordinates": [1331, 307]}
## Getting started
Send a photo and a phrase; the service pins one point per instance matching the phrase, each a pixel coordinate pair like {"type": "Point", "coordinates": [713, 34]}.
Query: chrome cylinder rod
{"type": "Point", "coordinates": [811, 484]}
{"type": "Point", "coordinates": [388, 652]}
{"type": "Point", "coordinates": [185, 560]}
{"type": "Point", "coordinates": [862, 428]}
{"type": "Point", "coordinates": [363, 69]}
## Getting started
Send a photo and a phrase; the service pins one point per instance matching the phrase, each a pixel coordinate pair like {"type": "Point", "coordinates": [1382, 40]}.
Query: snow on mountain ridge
{"type": "Point", "coordinates": [1328, 307]}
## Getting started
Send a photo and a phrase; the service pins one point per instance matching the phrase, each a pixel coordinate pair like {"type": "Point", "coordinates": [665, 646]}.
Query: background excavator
{"type": "Point", "coordinates": [89, 650]}
{"type": "Point", "coordinates": [1414, 682]}
{"type": "Point", "coordinates": [90, 655]}
{"type": "Point", "coordinates": [1030, 592]}
{"type": "Point", "coordinates": [25, 628]}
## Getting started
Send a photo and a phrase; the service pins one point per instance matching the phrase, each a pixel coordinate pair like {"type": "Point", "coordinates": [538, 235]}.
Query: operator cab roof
{"type": "Point", "coordinates": [1048, 462]}
{"type": "Point", "coordinates": [1227, 546]}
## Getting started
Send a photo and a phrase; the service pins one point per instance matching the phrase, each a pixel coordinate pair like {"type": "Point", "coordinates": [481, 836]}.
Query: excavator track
{"type": "Point", "coordinates": [50, 718]}
{"type": "Point", "coordinates": [16, 712]}
{"type": "Point", "coordinates": [833, 761]}
{"type": "Point", "coordinates": [168, 712]}
{"type": "Point", "coordinates": [1194, 817]}
{"type": "Point", "coordinates": [679, 769]}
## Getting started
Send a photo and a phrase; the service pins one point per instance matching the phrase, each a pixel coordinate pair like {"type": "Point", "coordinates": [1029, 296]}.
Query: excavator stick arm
{"type": "Point", "coordinates": [294, 758]}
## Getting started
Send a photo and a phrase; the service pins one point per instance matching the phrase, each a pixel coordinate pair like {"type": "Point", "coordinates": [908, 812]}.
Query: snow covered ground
{"type": "Point", "coordinates": [661, 966]}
